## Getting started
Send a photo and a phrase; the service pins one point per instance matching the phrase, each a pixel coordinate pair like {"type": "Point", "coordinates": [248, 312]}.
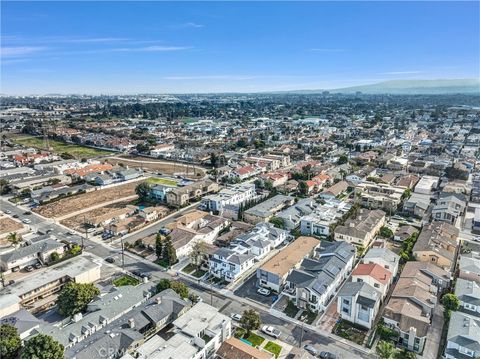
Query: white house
{"type": "Point", "coordinates": [358, 303]}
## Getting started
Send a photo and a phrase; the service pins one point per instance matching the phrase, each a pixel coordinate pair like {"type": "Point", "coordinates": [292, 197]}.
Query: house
{"type": "Point", "coordinates": [427, 185]}
{"type": "Point", "coordinates": [463, 336]}
{"type": "Point", "coordinates": [230, 196]}
{"type": "Point", "coordinates": [449, 207]}
{"type": "Point", "coordinates": [129, 174]}
{"type": "Point", "coordinates": [292, 215]}
{"type": "Point", "coordinates": [404, 232]}
{"type": "Point", "coordinates": [37, 292]}
{"type": "Point", "coordinates": [159, 192]}
{"type": "Point", "coordinates": [152, 213]}
{"type": "Point", "coordinates": [439, 277]}
{"type": "Point", "coordinates": [319, 222]}
{"type": "Point", "coordinates": [233, 348]}
{"type": "Point", "coordinates": [181, 196]}
{"type": "Point", "coordinates": [379, 196]}
{"type": "Point", "coordinates": [476, 221]}
{"type": "Point", "coordinates": [468, 292]}
{"type": "Point", "coordinates": [230, 263]}
{"type": "Point", "coordinates": [196, 334]}
{"type": "Point", "coordinates": [469, 267]}
{"type": "Point", "coordinates": [362, 229]}
{"type": "Point", "coordinates": [417, 205]}
{"type": "Point", "coordinates": [243, 173]}
{"type": "Point", "coordinates": [22, 257]}
{"type": "Point", "coordinates": [23, 321]}
{"type": "Point", "coordinates": [273, 273]}
{"type": "Point", "coordinates": [358, 303]}
{"type": "Point", "coordinates": [384, 257]}
{"type": "Point", "coordinates": [373, 274]}
{"type": "Point", "coordinates": [437, 244]}
{"type": "Point", "coordinates": [263, 211]}
{"type": "Point", "coordinates": [335, 190]}
{"type": "Point", "coordinates": [161, 149]}
{"type": "Point", "coordinates": [277, 179]}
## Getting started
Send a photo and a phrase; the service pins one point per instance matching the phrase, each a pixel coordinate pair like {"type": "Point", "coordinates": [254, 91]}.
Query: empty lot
{"type": "Point", "coordinates": [82, 202]}
{"type": "Point", "coordinates": [167, 168]}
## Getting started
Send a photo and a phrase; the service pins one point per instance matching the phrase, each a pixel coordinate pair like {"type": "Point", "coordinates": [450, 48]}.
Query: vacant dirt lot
{"type": "Point", "coordinates": [168, 168]}
{"type": "Point", "coordinates": [76, 221]}
{"type": "Point", "coordinates": [8, 225]}
{"type": "Point", "coordinates": [74, 204]}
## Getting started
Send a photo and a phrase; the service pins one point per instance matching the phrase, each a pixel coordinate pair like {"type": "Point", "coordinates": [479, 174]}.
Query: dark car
{"type": "Point", "coordinates": [27, 213]}
{"type": "Point", "coordinates": [15, 216]}
{"type": "Point", "coordinates": [311, 349]}
{"type": "Point", "coordinates": [38, 265]}
{"type": "Point", "coordinates": [327, 355]}
{"type": "Point", "coordinates": [110, 260]}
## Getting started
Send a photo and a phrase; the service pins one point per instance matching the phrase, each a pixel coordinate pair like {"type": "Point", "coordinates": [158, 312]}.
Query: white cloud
{"type": "Point", "coordinates": [19, 50]}
{"type": "Point", "coordinates": [151, 49]}
{"type": "Point", "coordinates": [211, 77]}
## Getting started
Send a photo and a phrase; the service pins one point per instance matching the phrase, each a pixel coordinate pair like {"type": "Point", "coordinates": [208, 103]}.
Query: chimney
{"type": "Point", "coordinates": [77, 317]}
{"type": "Point", "coordinates": [131, 323]}
{"type": "Point", "coordinates": [158, 300]}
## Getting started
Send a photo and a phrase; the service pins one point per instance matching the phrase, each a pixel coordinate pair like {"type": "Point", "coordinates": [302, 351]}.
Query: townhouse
{"type": "Point", "coordinates": [379, 196]}
{"type": "Point", "coordinates": [181, 196]}
{"type": "Point", "coordinates": [231, 262]}
{"type": "Point", "coordinates": [230, 197]}
{"type": "Point", "coordinates": [320, 221]}
{"type": "Point", "coordinates": [361, 229]}
{"type": "Point", "coordinates": [358, 303]}
{"type": "Point", "coordinates": [273, 273]}
{"type": "Point", "coordinates": [375, 275]}
{"type": "Point", "coordinates": [263, 211]}
{"type": "Point", "coordinates": [463, 337]}
{"type": "Point", "coordinates": [383, 257]}
{"type": "Point", "coordinates": [449, 207]}
{"type": "Point", "coordinates": [468, 292]}
{"type": "Point", "coordinates": [437, 244]}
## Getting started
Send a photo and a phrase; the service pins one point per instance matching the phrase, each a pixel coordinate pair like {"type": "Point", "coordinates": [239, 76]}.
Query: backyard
{"type": "Point", "coordinates": [350, 332]}
{"type": "Point", "coordinates": [125, 280]}
{"type": "Point", "coordinates": [164, 181]}
{"type": "Point", "coordinates": [61, 147]}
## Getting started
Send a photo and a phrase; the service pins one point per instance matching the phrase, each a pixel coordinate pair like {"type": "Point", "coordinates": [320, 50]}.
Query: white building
{"type": "Point", "coordinates": [234, 195]}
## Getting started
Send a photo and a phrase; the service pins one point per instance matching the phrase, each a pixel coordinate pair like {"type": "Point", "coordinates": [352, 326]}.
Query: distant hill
{"type": "Point", "coordinates": [417, 87]}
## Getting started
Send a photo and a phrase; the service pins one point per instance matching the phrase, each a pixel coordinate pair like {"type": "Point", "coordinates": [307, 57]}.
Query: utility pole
{"type": "Point", "coordinates": [301, 335]}
{"type": "Point", "coordinates": [86, 231]}
{"type": "Point", "coordinates": [123, 253]}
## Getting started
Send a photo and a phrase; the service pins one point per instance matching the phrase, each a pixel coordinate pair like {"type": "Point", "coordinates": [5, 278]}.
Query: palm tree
{"type": "Point", "coordinates": [385, 350]}
{"type": "Point", "coordinates": [14, 238]}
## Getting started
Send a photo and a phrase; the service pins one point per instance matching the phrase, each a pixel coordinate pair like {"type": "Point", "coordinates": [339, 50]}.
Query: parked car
{"type": "Point", "coordinates": [269, 330]}
{"type": "Point", "coordinates": [26, 221]}
{"type": "Point", "coordinates": [476, 239]}
{"type": "Point", "coordinates": [38, 265]}
{"type": "Point", "coordinates": [8, 211]}
{"type": "Point", "coordinates": [263, 291]}
{"type": "Point", "coordinates": [27, 213]}
{"type": "Point", "coordinates": [110, 260]}
{"type": "Point", "coordinates": [29, 268]}
{"type": "Point", "coordinates": [236, 317]}
{"type": "Point", "coordinates": [15, 216]}
{"type": "Point", "coordinates": [311, 349]}
{"type": "Point", "coordinates": [327, 355]}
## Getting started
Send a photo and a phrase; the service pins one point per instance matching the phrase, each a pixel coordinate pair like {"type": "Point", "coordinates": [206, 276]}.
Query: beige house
{"type": "Point", "coordinates": [437, 244]}
{"type": "Point", "coordinates": [362, 229]}
{"type": "Point", "coordinates": [181, 196]}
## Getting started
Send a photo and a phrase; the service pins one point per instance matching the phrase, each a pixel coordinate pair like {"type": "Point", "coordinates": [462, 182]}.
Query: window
{"type": "Point", "coordinates": [376, 285]}
{"type": "Point", "coordinates": [346, 301]}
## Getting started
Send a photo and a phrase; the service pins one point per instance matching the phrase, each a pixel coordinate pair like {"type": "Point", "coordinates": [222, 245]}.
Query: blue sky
{"type": "Point", "coordinates": [137, 47]}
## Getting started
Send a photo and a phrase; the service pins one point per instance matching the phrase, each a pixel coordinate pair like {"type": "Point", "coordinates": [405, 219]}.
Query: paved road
{"type": "Point", "coordinates": [291, 333]}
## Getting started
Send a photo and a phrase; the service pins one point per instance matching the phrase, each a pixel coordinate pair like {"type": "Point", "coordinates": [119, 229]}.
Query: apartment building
{"type": "Point", "coordinates": [379, 196]}
{"type": "Point", "coordinates": [181, 196]}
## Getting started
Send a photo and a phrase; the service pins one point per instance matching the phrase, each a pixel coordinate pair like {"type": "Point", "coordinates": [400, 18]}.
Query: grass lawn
{"type": "Point", "coordinates": [189, 268]}
{"type": "Point", "coordinates": [61, 147]}
{"type": "Point", "coordinates": [125, 280]}
{"type": "Point", "coordinates": [239, 333]}
{"type": "Point", "coordinates": [273, 348]}
{"type": "Point", "coordinates": [164, 181]}
{"type": "Point", "coordinates": [255, 339]}
{"type": "Point", "coordinates": [199, 273]}
{"type": "Point", "coordinates": [348, 331]}
{"type": "Point", "coordinates": [163, 263]}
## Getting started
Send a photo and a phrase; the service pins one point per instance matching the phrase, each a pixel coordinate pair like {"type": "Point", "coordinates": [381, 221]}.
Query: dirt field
{"type": "Point", "coordinates": [69, 205]}
{"type": "Point", "coordinates": [75, 222]}
{"type": "Point", "coordinates": [8, 225]}
{"type": "Point", "coordinates": [167, 168]}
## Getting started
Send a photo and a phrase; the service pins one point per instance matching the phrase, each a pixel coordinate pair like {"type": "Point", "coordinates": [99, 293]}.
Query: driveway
{"type": "Point", "coordinates": [249, 290]}
{"type": "Point", "coordinates": [434, 334]}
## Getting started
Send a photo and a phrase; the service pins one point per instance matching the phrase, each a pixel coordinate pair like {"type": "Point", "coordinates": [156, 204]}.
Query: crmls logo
{"type": "Point", "coordinates": [110, 353]}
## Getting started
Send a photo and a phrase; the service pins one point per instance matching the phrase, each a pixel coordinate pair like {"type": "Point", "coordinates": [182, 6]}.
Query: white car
{"type": "Point", "coordinates": [476, 239]}
{"type": "Point", "coordinates": [8, 211]}
{"type": "Point", "coordinates": [269, 330]}
{"type": "Point", "coordinates": [236, 317]}
{"type": "Point", "coordinates": [26, 221]}
{"type": "Point", "coordinates": [263, 291]}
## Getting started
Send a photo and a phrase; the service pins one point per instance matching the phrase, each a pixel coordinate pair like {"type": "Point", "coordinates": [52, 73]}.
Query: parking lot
{"type": "Point", "coordinates": [249, 290]}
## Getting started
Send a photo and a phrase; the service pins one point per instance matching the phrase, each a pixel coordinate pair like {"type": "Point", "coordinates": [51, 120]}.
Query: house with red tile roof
{"type": "Point", "coordinates": [375, 275]}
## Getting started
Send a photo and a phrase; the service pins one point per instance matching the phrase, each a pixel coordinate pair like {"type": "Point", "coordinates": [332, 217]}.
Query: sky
{"type": "Point", "coordinates": [165, 47]}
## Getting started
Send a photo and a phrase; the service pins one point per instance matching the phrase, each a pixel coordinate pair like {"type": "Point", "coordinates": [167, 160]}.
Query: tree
{"type": "Point", "coordinates": [74, 298]}
{"type": "Point", "coordinates": [143, 148]}
{"type": "Point", "coordinates": [386, 232]}
{"type": "Point", "coordinates": [158, 246]}
{"type": "Point", "coordinates": [42, 346]}
{"type": "Point", "coordinates": [405, 354]}
{"type": "Point", "coordinates": [54, 257]}
{"type": "Point", "coordinates": [163, 284]}
{"type": "Point", "coordinates": [450, 302]}
{"type": "Point", "coordinates": [10, 342]}
{"type": "Point", "coordinates": [143, 190]}
{"type": "Point", "coordinates": [342, 159]}
{"type": "Point", "coordinates": [169, 252]}
{"type": "Point", "coordinates": [250, 320]}
{"type": "Point", "coordinates": [385, 350]}
{"type": "Point", "coordinates": [180, 288]}
{"type": "Point", "coordinates": [277, 222]}
{"type": "Point", "coordinates": [4, 186]}
{"type": "Point", "coordinates": [14, 238]}
{"type": "Point", "coordinates": [303, 188]}
{"type": "Point", "coordinates": [197, 254]}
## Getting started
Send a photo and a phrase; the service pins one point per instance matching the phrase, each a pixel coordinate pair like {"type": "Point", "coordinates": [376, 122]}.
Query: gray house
{"type": "Point", "coordinates": [358, 303]}
{"type": "Point", "coordinates": [463, 337]}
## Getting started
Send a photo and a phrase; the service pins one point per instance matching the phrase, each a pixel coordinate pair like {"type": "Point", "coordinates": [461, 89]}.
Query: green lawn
{"type": "Point", "coordinates": [273, 348]}
{"type": "Point", "coordinates": [164, 181]}
{"type": "Point", "coordinates": [61, 147]}
{"type": "Point", "coordinates": [189, 268]}
{"type": "Point", "coordinates": [125, 280]}
{"type": "Point", "coordinates": [199, 273]}
{"type": "Point", "coordinates": [255, 339]}
{"type": "Point", "coordinates": [349, 331]}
